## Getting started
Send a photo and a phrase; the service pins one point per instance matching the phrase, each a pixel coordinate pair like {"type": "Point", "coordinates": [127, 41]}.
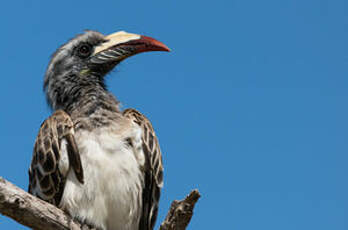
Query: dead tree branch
{"type": "Point", "coordinates": [40, 215]}
{"type": "Point", "coordinates": [180, 212]}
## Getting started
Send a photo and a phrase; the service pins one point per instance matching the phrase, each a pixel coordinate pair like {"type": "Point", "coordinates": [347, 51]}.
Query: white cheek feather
{"type": "Point", "coordinates": [111, 194]}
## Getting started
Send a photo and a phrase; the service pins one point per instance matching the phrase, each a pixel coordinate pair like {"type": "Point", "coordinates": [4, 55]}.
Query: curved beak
{"type": "Point", "coordinates": [121, 45]}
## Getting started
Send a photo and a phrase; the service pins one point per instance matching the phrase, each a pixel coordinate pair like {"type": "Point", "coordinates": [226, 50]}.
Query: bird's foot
{"type": "Point", "coordinates": [85, 225]}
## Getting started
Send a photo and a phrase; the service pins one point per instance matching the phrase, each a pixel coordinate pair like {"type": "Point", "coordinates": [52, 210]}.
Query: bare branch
{"type": "Point", "coordinates": [40, 215]}
{"type": "Point", "coordinates": [180, 212]}
{"type": "Point", "coordinates": [31, 211]}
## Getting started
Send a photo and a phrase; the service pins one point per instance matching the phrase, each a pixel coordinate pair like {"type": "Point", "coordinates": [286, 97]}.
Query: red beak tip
{"type": "Point", "coordinates": [166, 49]}
{"type": "Point", "coordinates": [159, 46]}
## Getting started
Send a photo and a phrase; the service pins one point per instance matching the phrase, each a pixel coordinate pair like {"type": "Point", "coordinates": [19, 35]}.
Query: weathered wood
{"type": "Point", "coordinates": [180, 212]}
{"type": "Point", "coordinates": [40, 215]}
{"type": "Point", "coordinates": [31, 211]}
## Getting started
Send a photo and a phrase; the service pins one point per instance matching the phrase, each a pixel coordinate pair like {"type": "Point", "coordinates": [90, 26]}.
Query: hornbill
{"type": "Point", "coordinates": [101, 165]}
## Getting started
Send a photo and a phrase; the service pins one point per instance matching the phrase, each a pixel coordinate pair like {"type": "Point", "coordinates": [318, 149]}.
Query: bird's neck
{"type": "Point", "coordinates": [95, 107]}
{"type": "Point", "coordinates": [91, 100]}
{"type": "Point", "coordinates": [84, 98]}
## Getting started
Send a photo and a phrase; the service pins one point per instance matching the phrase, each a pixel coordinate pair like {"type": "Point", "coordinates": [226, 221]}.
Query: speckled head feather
{"type": "Point", "coordinates": [77, 68]}
{"type": "Point", "coordinates": [68, 72]}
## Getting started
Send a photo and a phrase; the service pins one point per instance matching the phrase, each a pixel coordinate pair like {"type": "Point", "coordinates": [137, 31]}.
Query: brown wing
{"type": "Point", "coordinates": [153, 170]}
{"type": "Point", "coordinates": [46, 181]}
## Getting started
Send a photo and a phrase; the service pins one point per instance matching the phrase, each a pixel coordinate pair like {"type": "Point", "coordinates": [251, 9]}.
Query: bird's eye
{"type": "Point", "coordinates": [84, 50]}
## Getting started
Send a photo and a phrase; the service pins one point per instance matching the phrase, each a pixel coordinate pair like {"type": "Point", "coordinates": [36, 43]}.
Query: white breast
{"type": "Point", "coordinates": [111, 196]}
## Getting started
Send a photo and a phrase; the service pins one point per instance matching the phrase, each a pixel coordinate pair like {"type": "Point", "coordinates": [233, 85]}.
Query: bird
{"type": "Point", "coordinates": [101, 165]}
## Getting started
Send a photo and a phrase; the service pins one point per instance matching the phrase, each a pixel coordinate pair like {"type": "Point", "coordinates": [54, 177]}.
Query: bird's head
{"type": "Point", "coordinates": [85, 60]}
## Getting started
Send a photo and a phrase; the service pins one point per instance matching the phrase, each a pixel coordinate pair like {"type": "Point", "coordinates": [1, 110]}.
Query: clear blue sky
{"type": "Point", "coordinates": [251, 105]}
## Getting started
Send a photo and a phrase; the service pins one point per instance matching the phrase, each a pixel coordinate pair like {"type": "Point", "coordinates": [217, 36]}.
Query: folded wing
{"type": "Point", "coordinates": [153, 169]}
{"type": "Point", "coordinates": [55, 153]}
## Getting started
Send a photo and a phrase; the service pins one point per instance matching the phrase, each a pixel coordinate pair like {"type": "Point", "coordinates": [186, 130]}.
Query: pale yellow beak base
{"type": "Point", "coordinates": [115, 39]}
